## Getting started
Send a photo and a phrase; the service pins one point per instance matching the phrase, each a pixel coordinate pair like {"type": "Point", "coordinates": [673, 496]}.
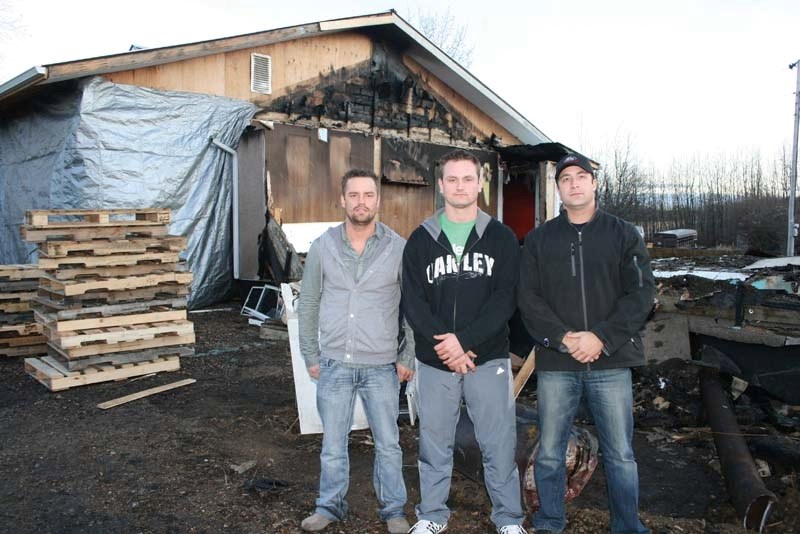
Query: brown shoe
{"type": "Point", "coordinates": [315, 522]}
{"type": "Point", "coordinates": [398, 525]}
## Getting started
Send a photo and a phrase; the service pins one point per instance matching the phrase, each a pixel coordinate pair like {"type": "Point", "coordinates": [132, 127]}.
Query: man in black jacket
{"type": "Point", "coordinates": [586, 289]}
{"type": "Point", "coordinates": [460, 271]}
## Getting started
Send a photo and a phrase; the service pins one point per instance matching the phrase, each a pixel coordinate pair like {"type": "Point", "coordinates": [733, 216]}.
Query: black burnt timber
{"type": "Point", "coordinates": [751, 499]}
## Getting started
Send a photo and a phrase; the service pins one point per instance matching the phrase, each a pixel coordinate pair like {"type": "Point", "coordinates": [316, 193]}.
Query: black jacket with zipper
{"type": "Point", "coordinates": [473, 300]}
{"type": "Point", "coordinates": [597, 279]}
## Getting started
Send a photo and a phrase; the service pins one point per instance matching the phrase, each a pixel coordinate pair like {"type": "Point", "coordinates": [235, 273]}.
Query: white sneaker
{"type": "Point", "coordinates": [427, 527]}
{"type": "Point", "coordinates": [511, 529]}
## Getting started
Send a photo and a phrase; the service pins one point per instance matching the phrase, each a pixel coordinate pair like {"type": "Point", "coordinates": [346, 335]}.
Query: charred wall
{"type": "Point", "coordinates": [380, 96]}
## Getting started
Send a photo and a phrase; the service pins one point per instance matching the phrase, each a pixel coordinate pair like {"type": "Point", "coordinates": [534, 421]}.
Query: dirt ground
{"type": "Point", "coordinates": [164, 463]}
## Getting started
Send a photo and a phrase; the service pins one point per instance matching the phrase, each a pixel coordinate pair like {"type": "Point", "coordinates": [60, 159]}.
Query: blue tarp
{"type": "Point", "coordinates": [100, 145]}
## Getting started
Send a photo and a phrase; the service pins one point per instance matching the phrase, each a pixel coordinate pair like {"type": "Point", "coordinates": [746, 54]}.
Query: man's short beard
{"type": "Point", "coordinates": [367, 222]}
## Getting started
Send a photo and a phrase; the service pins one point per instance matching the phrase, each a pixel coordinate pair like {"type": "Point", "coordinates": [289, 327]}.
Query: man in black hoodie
{"type": "Point", "coordinates": [460, 270]}
{"type": "Point", "coordinates": [586, 289]}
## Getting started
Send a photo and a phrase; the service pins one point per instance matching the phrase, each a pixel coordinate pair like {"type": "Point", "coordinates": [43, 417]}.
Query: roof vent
{"type": "Point", "coordinates": [261, 74]}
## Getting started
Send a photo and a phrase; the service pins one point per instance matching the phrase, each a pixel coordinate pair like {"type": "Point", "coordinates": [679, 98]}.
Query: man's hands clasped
{"type": "Point", "coordinates": [585, 347]}
{"type": "Point", "coordinates": [452, 354]}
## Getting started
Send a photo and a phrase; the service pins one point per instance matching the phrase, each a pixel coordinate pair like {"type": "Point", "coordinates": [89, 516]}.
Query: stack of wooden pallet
{"type": "Point", "coordinates": [112, 297]}
{"type": "Point", "coordinates": [20, 335]}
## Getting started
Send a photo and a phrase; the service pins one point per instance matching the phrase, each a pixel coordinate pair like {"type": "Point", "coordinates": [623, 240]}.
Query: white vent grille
{"type": "Point", "coordinates": [261, 74]}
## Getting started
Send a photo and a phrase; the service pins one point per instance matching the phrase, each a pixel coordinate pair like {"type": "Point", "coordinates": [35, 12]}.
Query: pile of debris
{"type": "Point", "coordinates": [737, 329]}
{"type": "Point", "coordinates": [112, 295]}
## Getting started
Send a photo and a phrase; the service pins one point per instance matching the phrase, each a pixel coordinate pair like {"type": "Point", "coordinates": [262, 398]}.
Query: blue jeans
{"type": "Point", "coordinates": [610, 399]}
{"type": "Point", "coordinates": [379, 389]}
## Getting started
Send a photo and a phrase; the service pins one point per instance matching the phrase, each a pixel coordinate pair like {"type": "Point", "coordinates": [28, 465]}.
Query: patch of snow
{"type": "Point", "coordinates": [710, 275]}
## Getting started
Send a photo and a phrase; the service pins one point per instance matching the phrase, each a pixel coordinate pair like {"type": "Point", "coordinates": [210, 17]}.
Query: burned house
{"type": "Point", "coordinates": [231, 132]}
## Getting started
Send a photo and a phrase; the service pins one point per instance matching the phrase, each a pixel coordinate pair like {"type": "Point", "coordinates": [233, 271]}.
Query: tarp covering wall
{"type": "Point", "coordinates": [100, 145]}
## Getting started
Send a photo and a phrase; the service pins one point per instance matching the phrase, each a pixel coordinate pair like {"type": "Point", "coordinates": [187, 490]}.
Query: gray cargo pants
{"type": "Point", "coordinates": [490, 404]}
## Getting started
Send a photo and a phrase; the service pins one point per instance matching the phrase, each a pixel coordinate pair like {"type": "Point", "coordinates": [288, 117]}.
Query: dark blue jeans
{"type": "Point", "coordinates": [610, 399]}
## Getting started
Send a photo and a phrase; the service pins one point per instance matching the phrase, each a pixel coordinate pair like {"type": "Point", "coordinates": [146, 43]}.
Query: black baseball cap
{"type": "Point", "coordinates": [574, 159]}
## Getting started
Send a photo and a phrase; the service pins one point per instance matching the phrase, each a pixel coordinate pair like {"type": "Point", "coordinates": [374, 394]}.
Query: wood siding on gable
{"type": "Point", "coordinates": [228, 74]}
{"type": "Point", "coordinates": [198, 75]}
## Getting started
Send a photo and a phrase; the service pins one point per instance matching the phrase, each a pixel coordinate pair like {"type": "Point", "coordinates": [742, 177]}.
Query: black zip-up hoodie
{"type": "Point", "coordinates": [597, 279]}
{"type": "Point", "coordinates": [473, 300]}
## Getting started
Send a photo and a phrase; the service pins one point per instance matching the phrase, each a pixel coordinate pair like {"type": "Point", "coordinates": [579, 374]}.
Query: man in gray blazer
{"type": "Point", "coordinates": [349, 324]}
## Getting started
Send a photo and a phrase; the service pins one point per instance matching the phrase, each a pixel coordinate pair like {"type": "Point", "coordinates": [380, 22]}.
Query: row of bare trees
{"type": "Point", "coordinates": [738, 200]}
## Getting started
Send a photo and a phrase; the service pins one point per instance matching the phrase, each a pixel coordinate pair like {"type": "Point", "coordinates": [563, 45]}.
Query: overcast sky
{"type": "Point", "coordinates": [678, 78]}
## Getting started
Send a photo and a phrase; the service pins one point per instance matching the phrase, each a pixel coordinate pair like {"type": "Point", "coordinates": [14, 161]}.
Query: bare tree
{"type": "Point", "coordinates": [444, 30]}
{"type": "Point", "coordinates": [730, 199]}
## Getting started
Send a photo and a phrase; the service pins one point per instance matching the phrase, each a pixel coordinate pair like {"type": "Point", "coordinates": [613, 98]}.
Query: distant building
{"type": "Point", "coordinates": [680, 238]}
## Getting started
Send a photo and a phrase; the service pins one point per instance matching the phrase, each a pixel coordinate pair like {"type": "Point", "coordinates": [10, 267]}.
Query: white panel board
{"type": "Point", "coordinates": [305, 387]}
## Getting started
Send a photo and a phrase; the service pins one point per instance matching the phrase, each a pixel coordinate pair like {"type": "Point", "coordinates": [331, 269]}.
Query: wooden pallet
{"type": "Point", "coordinates": [26, 350]}
{"type": "Point", "coordinates": [69, 288]}
{"type": "Point", "coordinates": [105, 247]}
{"type": "Point", "coordinates": [55, 380]}
{"type": "Point", "coordinates": [88, 233]}
{"type": "Point", "coordinates": [118, 271]}
{"type": "Point", "coordinates": [120, 358]}
{"type": "Point", "coordinates": [22, 296]}
{"type": "Point", "coordinates": [101, 298]}
{"type": "Point", "coordinates": [16, 318]}
{"type": "Point", "coordinates": [47, 310]}
{"type": "Point", "coordinates": [14, 307]}
{"type": "Point", "coordinates": [22, 329]}
{"type": "Point", "coordinates": [19, 272]}
{"type": "Point", "coordinates": [67, 217]}
{"type": "Point", "coordinates": [22, 341]}
{"type": "Point", "coordinates": [108, 261]}
{"type": "Point", "coordinates": [122, 339]}
{"type": "Point", "coordinates": [165, 340]}
{"type": "Point", "coordinates": [19, 286]}
{"type": "Point", "coordinates": [59, 328]}
{"type": "Point", "coordinates": [116, 334]}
